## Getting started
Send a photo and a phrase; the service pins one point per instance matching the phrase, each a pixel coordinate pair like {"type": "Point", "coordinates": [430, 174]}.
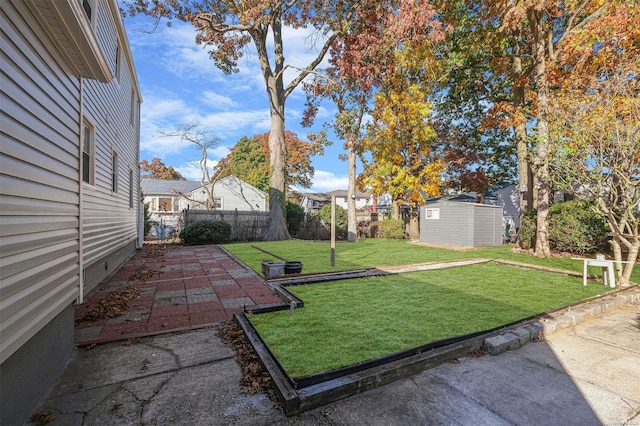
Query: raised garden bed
{"type": "Point", "coordinates": [356, 334]}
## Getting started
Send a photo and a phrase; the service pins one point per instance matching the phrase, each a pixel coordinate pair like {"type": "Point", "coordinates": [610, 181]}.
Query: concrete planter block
{"type": "Point", "coordinates": [514, 341]}
{"type": "Point", "coordinates": [577, 315]}
{"type": "Point", "coordinates": [536, 331]}
{"type": "Point", "coordinates": [496, 345]}
{"type": "Point", "coordinates": [564, 321]}
{"type": "Point", "coordinates": [524, 336]}
{"type": "Point", "coordinates": [592, 310]}
{"type": "Point", "coordinates": [550, 326]}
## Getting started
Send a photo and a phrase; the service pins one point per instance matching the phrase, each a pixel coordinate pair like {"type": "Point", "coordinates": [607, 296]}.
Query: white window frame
{"type": "Point", "coordinates": [92, 5]}
{"type": "Point", "coordinates": [114, 171]}
{"type": "Point", "coordinates": [88, 148]}
{"type": "Point", "coordinates": [132, 114]}
{"type": "Point", "coordinates": [131, 189]}
{"type": "Point", "coordinates": [118, 60]}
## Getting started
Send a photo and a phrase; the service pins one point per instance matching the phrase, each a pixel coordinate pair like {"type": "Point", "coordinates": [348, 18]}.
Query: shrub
{"type": "Point", "coordinates": [391, 228]}
{"type": "Point", "coordinates": [341, 219]}
{"type": "Point", "coordinates": [206, 232]}
{"type": "Point", "coordinates": [575, 228]}
{"type": "Point", "coordinates": [295, 217]}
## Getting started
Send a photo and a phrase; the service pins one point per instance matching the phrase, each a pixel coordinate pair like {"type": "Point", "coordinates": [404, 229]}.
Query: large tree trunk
{"type": "Point", "coordinates": [625, 278]}
{"type": "Point", "coordinates": [414, 226]}
{"type": "Point", "coordinates": [525, 178]}
{"type": "Point", "coordinates": [352, 222]}
{"type": "Point", "coordinates": [541, 160]}
{"type": "Point", "coordinates": [277, 227]}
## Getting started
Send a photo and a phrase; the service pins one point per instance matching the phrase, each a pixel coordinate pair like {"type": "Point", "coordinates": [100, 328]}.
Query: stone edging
{"type": "Point", "coordinates": [545, 326]}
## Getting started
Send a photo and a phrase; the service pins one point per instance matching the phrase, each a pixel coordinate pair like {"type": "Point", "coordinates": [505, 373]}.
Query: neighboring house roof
{"type": "Point", "coordinates": [317, 196]}
{"type": "Point", "coordinates": [344, 193]}
{"type": "Point", "coordinates": [167, 187]}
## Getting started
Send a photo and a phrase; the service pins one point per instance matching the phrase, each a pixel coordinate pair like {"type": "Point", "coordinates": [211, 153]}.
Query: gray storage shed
{"type": "Point", "coordinates": [461, 224]}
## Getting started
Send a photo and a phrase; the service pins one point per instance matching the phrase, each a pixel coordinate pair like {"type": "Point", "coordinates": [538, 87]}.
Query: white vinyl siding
{"type": "Point", "coordinates": [39, 179]}
{"type": "Point", "coordinates": [108, 221]}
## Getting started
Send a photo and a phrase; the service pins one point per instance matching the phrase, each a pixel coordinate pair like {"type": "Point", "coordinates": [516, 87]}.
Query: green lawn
{"type": "Point", "coordinates": [350, 321]}
{"type": "Point", "coordinates": [369, 253]}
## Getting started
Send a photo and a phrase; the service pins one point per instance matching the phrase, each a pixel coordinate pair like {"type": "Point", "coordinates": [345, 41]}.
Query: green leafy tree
{"type": "Point", "coordinates": [341, 219]}
{"type": "Point", "coordinates": [400, 158]}
{"type": "Point", "coordinates": [249, 161]}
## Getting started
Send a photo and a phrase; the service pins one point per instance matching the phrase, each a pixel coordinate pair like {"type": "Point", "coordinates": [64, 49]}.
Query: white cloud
{"type": "Point", "coordinates": [217, 101]}
{"type": "Point", "coordinates": [192, 170]}
{"type": "Point", "coordinates": [324, 181]}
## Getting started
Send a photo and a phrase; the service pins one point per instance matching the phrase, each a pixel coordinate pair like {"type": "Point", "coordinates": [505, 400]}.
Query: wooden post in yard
{"type": "Point", "coordinates": [333, 230]}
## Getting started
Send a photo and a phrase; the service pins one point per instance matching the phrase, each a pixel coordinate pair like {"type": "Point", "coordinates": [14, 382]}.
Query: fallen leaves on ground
{"type": "Point", "coordinates": [254, 376]}
{"type": "Point", "coordinates": [112, 305]}
{"type": "Point", "coordinates": [153, 250]}
{"type": "Point", "coordinates": [43, 417]}
{"type": "Point", "coordinates": [144, 274]}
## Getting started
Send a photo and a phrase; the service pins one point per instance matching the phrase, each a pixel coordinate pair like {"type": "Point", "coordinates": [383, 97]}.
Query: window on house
{"type": "Point", "coordinates": [165, 204]}
{"type": "Point", "coordinates": [88, 155]}
{"type": "Point", "coordinates": [132, 114]}
{"type": "Point", "coordinates": [114, 172]}
{"type": "Point", "coordinates": [87, 6]}
{"type": "Point", "coordinates": [118, 60]}
{"type": "Point", "coordinates": [131, 189]}
{"type": "Point", "coordinates": [217, 202]}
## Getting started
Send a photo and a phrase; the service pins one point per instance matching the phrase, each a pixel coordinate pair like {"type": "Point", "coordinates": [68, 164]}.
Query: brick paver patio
{"type": "Point", "coordinates": [179, 288]}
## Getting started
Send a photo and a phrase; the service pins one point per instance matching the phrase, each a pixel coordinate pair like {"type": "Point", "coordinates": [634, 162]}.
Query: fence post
{"type": "Point", "coordinates": [235, 221]}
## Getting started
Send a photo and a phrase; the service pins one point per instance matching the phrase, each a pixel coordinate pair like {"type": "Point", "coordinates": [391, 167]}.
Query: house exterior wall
{"type": "Point", "coordinates": [38, 179]}
{"type": "Point", "coordinates": [461, 224]}
{"type": "Point", "coordinates": [109, 217]}
{"type": "Point", "coordinates": [233, 194]}
{"type": "Point", "coordinates": [44, 96]}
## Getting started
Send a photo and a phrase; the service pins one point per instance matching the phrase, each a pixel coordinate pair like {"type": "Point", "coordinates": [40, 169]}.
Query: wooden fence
{"type": "Point", "coordinates": [245, 226]}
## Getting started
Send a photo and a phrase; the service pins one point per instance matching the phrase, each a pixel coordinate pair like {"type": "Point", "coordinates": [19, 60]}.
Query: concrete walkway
{"type": "Point", "coordinates": [587, 375]}
{"type": "Point", "coordinates": [179, 288]}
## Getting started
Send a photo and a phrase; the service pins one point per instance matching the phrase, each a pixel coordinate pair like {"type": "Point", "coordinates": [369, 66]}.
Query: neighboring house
{"type": "Point", "coordinates": [313, 202]}
{"type": "Point", "coordinates": [69, 180]}
{"type": "Point", "coordinates": [230, 193]}
{"type": "Point", "coordinates": [509, 198]}
{"type": "Point", "coordinates": [164, 200]}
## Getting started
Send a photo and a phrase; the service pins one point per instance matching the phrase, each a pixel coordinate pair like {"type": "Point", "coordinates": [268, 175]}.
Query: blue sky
{"type": "Point", "coordinates": [181, 85]}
